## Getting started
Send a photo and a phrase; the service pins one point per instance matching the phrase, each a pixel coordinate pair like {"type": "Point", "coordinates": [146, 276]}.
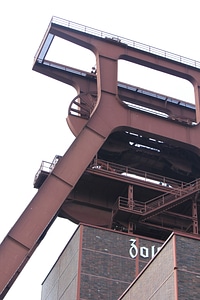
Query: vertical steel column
{"type": "Point", "coordinates": [130, 196]}
{"type": "Point", "coordinates": [130, 205]}
{"type": "Point", "coordinates": [194, 214]}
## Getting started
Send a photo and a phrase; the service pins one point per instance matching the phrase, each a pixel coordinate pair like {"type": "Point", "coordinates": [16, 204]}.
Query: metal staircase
{"type": "Point", "coordinates": [102, 108]}
{"type": "Point", "coordinates": [161, 203]}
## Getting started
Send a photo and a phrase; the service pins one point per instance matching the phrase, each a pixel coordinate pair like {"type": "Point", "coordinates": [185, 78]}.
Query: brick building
{"type": "Point", "coordinates": [132, 173]}
{"type": "Point", "coordinates": [98, 264]}
{"type": "Point", "coordinates": [107, 265]}
{"type": "Point", "coordinates": [174, 273]}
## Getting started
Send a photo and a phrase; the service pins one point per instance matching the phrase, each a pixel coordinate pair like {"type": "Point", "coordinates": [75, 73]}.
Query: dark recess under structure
{"type": "Point", "coordinates": [134, 165]}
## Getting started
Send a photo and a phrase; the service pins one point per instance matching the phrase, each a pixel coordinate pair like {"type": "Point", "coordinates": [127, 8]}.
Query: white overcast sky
{"type": "Point", "coordinates": [34, 107]}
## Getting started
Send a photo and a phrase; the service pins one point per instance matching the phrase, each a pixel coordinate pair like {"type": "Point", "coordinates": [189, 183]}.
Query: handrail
{"type": "Point", "coordinates": [46, 167]}
{"type": "Point", "coordinates": [126, 171]}
{"type": "Point", "coordinates": [128, 42]}
{"type": "Point", "coordinates": [166, 198]}
{"type": "Point", "coordinates": [176, 189]}
{"type": "Point", "coordinates": [156, 95]}
{"type": "Point", "coordinates": [121, 85]}
{"type": "Point", "coordinates": [146, 208]}
{"type": "Point", "coordinates": [125, 204]}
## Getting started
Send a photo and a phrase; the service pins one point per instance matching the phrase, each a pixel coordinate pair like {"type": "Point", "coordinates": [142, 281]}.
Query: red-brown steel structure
{"type": "Point", "coordinates": [134, 165]}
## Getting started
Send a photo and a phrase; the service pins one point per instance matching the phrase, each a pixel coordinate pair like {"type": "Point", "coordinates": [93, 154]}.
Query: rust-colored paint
{"type": "Point", "coordinates": [101, 113]}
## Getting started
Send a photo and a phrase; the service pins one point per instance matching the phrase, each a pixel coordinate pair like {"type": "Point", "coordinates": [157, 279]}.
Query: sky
{"type": "Point", "coordinates": [34, 107]}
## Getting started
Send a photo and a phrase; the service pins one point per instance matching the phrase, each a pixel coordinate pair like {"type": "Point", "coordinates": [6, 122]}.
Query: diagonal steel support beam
{"type": "Point", "coordinates": [29, 230]}
{"type": "Point", "coordinates": [108, 115]}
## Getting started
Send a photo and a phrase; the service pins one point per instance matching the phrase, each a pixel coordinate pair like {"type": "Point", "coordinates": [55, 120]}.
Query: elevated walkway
{"type": "Point", "coordinates": [116, 172]}
{"type": "Point", "coordinates": [105, 108]}
{"type": "Point", "coordinates": [109, 37]}
{"type": "Point", "coordinates": [132, 96]}
{"type": "Point", "coordinates": [159, 204]}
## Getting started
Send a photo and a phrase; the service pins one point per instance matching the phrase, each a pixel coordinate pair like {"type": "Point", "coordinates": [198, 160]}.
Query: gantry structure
{"type": "Point", "coordinates": [134, 165]}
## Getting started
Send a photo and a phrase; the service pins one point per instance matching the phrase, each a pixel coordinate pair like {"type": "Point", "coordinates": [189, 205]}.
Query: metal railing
{"type": "Point", "coordinates": [122, 85]}
{"type": "Point", "coordinates": [46, 167]}
{"type": "Point", "coordinates": [155, 204]}
{"type": "Point", "coordinates": [173, 186]}
{"type": "Point", "coordinates": [75, 110]}
{"type": "Point", "coordinates": [130, 204]}
{"type": "Point", "coordinates": [185, 190]}
{"type": "Point", "coordinates": [135, 174]}
{"type": "Point", "coordinates": [128, 42]}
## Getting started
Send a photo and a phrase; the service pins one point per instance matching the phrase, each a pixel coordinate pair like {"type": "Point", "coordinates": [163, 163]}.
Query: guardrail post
{"type": "Point", "coordinates": [194, 215]}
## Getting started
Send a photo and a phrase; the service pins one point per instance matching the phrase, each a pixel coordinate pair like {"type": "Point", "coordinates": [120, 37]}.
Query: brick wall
{"type": "Point", "coordinates": [107, 268]}
{"type": "Point", "coordinates": [96, 264]}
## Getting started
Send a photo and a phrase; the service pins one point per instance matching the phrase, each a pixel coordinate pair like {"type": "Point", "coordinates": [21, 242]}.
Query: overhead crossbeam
{"type": "Point", "coordinates": [108, 115]}
{"type": "Point", "coordinates": [107, 53]}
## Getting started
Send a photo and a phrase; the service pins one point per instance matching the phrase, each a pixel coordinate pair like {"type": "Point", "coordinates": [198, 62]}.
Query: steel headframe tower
{"type": "Point", "coordinates": [134, 165]}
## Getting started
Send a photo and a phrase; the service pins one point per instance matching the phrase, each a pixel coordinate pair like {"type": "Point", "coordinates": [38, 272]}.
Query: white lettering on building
{"type": "Point", "coordinates": [142, 251]}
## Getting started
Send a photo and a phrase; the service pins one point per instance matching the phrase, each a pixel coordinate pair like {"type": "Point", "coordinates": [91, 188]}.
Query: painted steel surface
{"type": "Point", "coordinates": [105, 108]}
